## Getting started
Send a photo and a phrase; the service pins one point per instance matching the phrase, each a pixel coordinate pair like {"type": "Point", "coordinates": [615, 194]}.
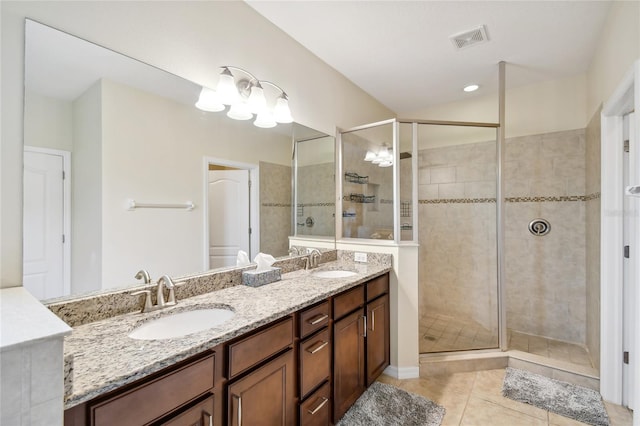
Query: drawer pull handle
{"type": "Point", "coordinates": [319, 346]}
{"type": "Point", "coordinates": [373, 320]}
{"type": "Point", "coordinates": [364, 318]}
{"type": "Point", "coordinates": [239, 413]}
{"type": "Point", "coordinates": [318, 319]}
{"type": "Point", "coordinates": [322, 404]}
{"type": "Point", "coordinates": [207, 416]}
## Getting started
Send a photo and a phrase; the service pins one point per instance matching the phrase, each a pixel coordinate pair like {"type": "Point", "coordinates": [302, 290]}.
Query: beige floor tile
{"type": "Point", "coordinates": [488, 386]}
{"type": "Point", "coordinates": [618, 415]}
{"type": "Point", "coordinates": [482, 412]}
{"type": "Point", "coordinates": [558, 420]}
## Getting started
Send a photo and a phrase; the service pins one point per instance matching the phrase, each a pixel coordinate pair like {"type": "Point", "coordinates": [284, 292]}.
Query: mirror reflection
{"type": "Point", "coordinates": [315, 186]}
{"type": "Point", "coordinates": [122, 173]}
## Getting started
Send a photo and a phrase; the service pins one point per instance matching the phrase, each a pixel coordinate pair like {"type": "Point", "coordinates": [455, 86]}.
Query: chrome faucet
{"type": "Point", "coordinates": [142, 274]}
{"type": "Point", "coordinates": [164, 281]}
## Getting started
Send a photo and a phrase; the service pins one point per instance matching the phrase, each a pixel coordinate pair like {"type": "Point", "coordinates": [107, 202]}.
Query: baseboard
{"type": "Point", "coordinates": [402, 372]}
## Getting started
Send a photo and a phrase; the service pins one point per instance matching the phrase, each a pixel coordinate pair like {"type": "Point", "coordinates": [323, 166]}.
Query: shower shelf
{"type": "Point", "coordinates": [356, 178]}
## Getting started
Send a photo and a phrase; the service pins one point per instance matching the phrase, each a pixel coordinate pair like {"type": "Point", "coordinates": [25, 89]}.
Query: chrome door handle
{"type": "Point", "coordinates": [373, 320]}
{"type": "Point", "coordinates": [239, 413]}
{"type": "Point", "coordinates": [209, 416]}
{"type": "Point", "coordinates": [364, 317]}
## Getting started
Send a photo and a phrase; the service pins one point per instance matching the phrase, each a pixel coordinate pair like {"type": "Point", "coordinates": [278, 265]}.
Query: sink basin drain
{"type": "Point", "coordinates": [539, 227]}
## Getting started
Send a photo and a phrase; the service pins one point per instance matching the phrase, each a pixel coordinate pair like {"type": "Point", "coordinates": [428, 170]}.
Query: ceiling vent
{"type": "Point", "coordinates": [470, 38]}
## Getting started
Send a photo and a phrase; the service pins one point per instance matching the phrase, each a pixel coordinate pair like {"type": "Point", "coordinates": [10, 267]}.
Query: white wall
{"type": "Point", "coordinates": [550, 106]}
{"type": "Point", "coordinates": [48, 122]}
{"type": "Point", "coordinates": [618, 49]}
{"type": "Point", "coordinates": [190, 39]}
{"type": "Point", "coordinates": [86, 191]}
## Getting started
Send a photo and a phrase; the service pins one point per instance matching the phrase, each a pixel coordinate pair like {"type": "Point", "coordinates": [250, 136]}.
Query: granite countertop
{"type": "Point", "coordinates": [100, 356]}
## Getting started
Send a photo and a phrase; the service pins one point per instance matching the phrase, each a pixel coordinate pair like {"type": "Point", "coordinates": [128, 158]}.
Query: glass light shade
{"type": "Point", "coordinates": [386, 164]}
{"type": "Point", "coordinates": [240, 111]}
{"type": "Point", "coordinates": [265, 120]}
{"type": "Point", "coordinates": [370, 156]}
{"type": "Point", "coordinates": [257, 101]}
{"type": "Point", "coordinates": [227, 89]}
{"type": "Point", "coordinates": [209, 100]}
{"type": "Point", "coordinates": [282, 113]}
{"type": "Point", "coordinates": [387, 155]}
{"type": "Point", "coordinates": [378, 159]}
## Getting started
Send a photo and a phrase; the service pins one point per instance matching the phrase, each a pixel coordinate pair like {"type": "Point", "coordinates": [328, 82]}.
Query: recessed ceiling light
{"type": "Point", "coordinates": [471, 88]}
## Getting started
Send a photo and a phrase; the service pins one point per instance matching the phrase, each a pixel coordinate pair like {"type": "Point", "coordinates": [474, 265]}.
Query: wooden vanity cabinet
{"type": "Point", "coordinates": [183, 394]}
{"type": "Point", "coordinates": [360, 341]}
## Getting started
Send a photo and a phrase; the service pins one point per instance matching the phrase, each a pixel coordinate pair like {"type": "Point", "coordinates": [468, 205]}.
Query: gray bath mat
{"type": "Point", "coordinates": [386, 405]}
{"type": "Point", "coordinates": [576, 402]}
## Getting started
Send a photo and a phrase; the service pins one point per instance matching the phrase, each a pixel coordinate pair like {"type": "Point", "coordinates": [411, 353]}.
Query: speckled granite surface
{"type": "Point", "coordinates": [104, 357]}
{"type": "Point", "coordinates": [107, 304]}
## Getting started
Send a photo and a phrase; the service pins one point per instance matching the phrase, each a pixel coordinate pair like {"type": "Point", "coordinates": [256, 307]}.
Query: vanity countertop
{"type": "Point", "coordinates": [103, 357]}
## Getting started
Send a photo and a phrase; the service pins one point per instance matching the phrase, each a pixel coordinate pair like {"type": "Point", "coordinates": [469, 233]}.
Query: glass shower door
{"type": "Point", "coordinates": [457, 214]}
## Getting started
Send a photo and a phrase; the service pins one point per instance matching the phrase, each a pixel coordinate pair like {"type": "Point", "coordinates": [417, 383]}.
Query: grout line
{"type": "Point", "coordinates": [475, 376]}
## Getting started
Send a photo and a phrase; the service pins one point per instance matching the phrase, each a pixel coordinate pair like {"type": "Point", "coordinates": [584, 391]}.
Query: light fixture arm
{"type": "Point", "coordinates": [284, 94]}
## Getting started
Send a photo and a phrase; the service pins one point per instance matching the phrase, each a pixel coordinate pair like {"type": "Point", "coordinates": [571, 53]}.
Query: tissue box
{"type": "Point", "coordinates": [256, 279]}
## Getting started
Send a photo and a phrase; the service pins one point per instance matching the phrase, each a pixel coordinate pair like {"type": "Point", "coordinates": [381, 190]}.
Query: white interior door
{"type": "Point", "coordinates": [631, 265]}
{"type": "Point", "coordinates": [229, 229]}
{"type": "Point", "coordinates": [43, 215]}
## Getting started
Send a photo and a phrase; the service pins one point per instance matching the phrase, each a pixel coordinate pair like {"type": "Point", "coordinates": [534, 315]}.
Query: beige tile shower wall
{"type": "Point", "coordinates": [275, 208]}
{"type": "Point", "coordinates": [316, 193]}
{"type": "Point", "coordinates": [592, 234]}
{"type": "Point", "coordinates": [545, 276]}
{"type": "Point", "coordinates": [458, 238]}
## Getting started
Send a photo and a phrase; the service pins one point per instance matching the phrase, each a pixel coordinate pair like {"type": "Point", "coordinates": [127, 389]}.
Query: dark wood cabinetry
{"type": "Point", "coordinates": [377, 337]}
{"type": "Point", "coordinates": [360, 340]}
{"type": "Point", "coordinates": [307, 368]}
{"type": "Point", "coordinates": [266, 396]}
{"type": "Point", "coordinates": [348, 362]}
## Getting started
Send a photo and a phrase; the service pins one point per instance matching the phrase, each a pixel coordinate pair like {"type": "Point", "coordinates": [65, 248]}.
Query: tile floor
{"type": "Point", "coordinates": [443, 333]}
{"type": "Point", "coordinates": [475, 399]}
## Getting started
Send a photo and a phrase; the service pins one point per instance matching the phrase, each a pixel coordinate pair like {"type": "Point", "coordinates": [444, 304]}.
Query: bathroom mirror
{"type": "Point", "coordinates": [314, 186]}
{"type": "Point", "coordinates": [136, 156]}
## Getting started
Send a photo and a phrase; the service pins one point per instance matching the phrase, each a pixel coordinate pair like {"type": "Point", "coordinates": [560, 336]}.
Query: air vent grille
{"type": "Point", "coordinates": [470, 38]}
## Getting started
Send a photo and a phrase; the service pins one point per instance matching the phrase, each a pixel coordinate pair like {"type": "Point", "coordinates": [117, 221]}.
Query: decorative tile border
{"type": "Point", "coordinates": [549, 199]}
{"type": "Point", "coordinates": [317, 205]}
{"type": "Point", "coordinates": [276, 205]}
{"type": "Point", "coordinates": [458, 201]}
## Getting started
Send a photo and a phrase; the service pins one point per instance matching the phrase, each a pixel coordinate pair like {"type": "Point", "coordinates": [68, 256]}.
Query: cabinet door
{"type": "Point", "coordinates": [266, 396]}
{"type": "Point", "coordinates": [200, 414]}
{"type": "Point", "coordinates": [377, 337]}
{"type": "Point", "coordinates": [348, 362]}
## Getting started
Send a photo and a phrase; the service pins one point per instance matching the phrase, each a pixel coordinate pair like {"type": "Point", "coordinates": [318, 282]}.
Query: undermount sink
{"type": "Point", "coordinates": [334, 274]}
{"type": "Point", "coordinates": [181, 323]}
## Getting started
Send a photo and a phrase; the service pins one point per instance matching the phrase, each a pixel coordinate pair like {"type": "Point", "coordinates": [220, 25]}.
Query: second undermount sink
{"type": "Point", "coordinates": [182, 323]}
{"type": "Point", "coordinates": [334, 274]}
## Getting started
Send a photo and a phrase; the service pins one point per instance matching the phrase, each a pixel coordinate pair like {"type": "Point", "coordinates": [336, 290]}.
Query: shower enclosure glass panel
{"type": "Point", "coordinates": [367, 183]}
{"type": "Point", "coordinates": [457, 182]}
{"type": "Point", "coordinates": [406, 157]}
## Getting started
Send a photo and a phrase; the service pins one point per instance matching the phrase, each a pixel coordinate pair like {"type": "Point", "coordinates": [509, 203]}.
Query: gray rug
{"type": "Point", "coordinates": [576, 402]}
{"type": "Point", "coordinates": [387, 405]}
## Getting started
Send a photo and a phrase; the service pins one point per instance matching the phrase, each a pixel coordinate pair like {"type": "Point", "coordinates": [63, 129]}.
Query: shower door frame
{"type": "Point", "coordinates": [500, 141]}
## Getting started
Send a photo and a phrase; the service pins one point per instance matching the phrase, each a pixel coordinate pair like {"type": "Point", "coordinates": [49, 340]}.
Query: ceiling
{"type": "Point", "coordinates": [400, 52]}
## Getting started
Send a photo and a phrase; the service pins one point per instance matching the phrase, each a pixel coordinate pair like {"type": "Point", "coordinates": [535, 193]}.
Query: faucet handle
{"type": "Point", "coordinates": [168, 283]}
{"type": "Point", "coordinates": [142, 274]}
{"type": "Point", "coordinates": [147, 299]}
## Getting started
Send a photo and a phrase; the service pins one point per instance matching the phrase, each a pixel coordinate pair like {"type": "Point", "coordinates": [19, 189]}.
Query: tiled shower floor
{"type": "Point", "coordinates": [443, 333]}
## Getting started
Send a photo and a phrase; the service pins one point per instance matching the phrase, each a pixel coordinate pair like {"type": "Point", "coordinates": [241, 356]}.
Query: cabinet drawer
{"type": "Point", "coordinates": [377, 287]}
{"type": "Point", "coordinates": [259, 346]}
{"type": "Point", "coordinates": [348, 301]}
{"type": "Point", "coordinates": [313, 319]}
{"type": "Point", "coordinates": [316, 410]}
{"type": "Point", "coordinates": [315, 361]}
{"type": "Point", "coordinates": [200, 414]}
{"type": "Point", "coordinates": [152, 400]}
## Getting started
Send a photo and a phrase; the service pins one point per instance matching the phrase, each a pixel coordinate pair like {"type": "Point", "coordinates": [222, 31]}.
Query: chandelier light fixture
{"type": "Point", "coordinates": [245, 98]}
{"type": "Point", "coordinates": [383, 157]}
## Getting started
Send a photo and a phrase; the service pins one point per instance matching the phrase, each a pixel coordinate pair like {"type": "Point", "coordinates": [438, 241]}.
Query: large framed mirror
{"type": "Point", "coordinates": [123, 173]}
